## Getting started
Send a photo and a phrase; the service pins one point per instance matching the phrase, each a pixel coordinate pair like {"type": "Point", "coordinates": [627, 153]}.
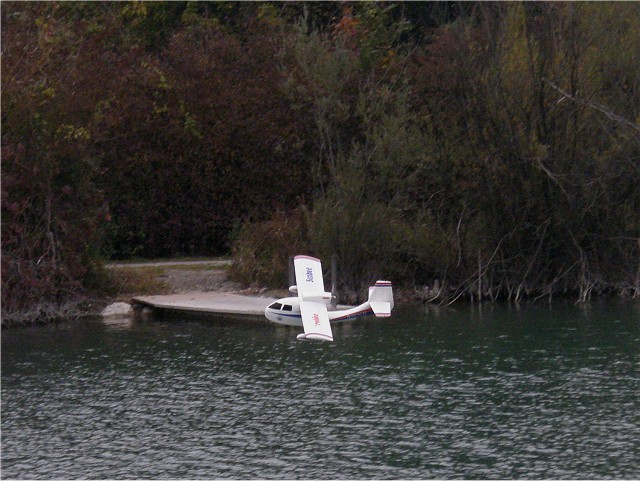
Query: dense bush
{"type": "Point", "coordinates": [136, 129]}
{"type": "Point", "coordinates": [208, 139]}
{"type": "Point", "coordinates": [474, 168]}
{"type": "Point", "coordinates": [491, 147]}
{"type": "Point", "coordinates": [51, 209]}
{"type": "Point", "coordinates": [261, 250]}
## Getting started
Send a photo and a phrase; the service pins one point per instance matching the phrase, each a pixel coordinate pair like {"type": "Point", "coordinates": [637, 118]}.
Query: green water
{"type": "Point", "coordinates": [536, 392]}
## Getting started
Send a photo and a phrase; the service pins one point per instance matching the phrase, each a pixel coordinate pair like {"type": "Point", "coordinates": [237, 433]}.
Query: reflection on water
{"type": "Point", "coordinates": [429, 393]}
{"type": "Point", "coordinates": [117, 322]}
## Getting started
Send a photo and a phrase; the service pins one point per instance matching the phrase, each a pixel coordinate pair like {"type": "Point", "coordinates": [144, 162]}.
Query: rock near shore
{"type": "Point", "coordinates": [117, 309]}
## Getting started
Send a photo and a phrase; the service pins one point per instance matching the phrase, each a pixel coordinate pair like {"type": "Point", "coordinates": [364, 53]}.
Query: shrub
{"type": "Point", "coordinates": [261, 250]}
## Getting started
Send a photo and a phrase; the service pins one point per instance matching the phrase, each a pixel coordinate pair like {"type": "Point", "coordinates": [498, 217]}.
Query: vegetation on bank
{"type": "Point", "coordinates": [484, 150]}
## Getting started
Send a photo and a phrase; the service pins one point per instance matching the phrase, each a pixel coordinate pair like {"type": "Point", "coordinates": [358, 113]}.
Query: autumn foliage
{"type": "Point", "coordinates": [487, 149]}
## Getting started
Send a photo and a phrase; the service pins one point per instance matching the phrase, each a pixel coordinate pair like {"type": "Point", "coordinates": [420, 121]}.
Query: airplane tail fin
{"type": "Point", "coordinates": [381, 298]}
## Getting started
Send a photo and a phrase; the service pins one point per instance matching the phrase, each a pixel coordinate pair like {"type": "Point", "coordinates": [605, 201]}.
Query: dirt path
{"type": "Point", "coordinates": [198, 280]}
{"type": "Point", "coordinates": [212, 263]}
{"type": "Point", "coordinates": [183, 276]}
{"type": "Point", "coordinates": [179, 277]}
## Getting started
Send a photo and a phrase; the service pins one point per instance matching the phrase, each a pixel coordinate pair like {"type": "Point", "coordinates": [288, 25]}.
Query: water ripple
{"type": "Point", "coordinates": [191, 400]}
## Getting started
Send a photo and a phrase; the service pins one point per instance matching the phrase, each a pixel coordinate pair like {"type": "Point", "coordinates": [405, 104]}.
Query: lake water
{"type": "Point", "coordinates": [500, 392]}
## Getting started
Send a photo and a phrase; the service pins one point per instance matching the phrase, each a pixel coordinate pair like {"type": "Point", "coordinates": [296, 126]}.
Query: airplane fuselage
{"type": "Point", "coordinates": [287, 312]}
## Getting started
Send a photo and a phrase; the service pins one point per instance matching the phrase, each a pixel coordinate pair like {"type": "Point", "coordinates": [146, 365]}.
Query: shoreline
{"type": "Point", "coordinates": [184, 277]}
{"type": "Point", "coordinates": [48, 313]}
{"type": "Point", "coordinates": [137, 279]}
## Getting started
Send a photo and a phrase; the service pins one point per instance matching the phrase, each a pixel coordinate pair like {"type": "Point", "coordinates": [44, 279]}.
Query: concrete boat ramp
{"type": "Point", "coordinates": [220, 305]}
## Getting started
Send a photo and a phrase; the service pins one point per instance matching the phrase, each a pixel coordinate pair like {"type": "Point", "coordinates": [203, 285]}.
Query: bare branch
{"type": "Point", "coordinates": [608, 112]}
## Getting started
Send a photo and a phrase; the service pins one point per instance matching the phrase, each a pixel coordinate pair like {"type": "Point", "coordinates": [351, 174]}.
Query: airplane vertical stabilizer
{"type": "Point", "coordinates": [381, 298]}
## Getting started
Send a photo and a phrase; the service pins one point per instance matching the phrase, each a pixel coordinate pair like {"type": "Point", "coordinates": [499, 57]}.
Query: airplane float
{"type": "Point", "coordinates": [310, 308]}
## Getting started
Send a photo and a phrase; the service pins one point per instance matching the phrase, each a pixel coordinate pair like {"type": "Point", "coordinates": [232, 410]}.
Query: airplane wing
{"type": "Point", "coordinates": [309, 278]}
{"type": "Point", "coordinates": [315, 321]}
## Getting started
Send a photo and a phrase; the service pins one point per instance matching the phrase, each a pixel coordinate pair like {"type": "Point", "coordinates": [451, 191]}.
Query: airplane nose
{"type": "Point", "coordinates": [270, 315]}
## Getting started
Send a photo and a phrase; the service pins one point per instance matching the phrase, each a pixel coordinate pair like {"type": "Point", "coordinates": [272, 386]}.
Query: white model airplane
{"type": "Point", "coordinates": [309, 309]}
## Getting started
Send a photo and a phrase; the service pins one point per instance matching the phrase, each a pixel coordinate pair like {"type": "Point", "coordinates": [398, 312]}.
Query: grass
{"type": "Point", "coordinates": [137, 260]}
{"type": "Point", "coordinates": [125, 283]}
